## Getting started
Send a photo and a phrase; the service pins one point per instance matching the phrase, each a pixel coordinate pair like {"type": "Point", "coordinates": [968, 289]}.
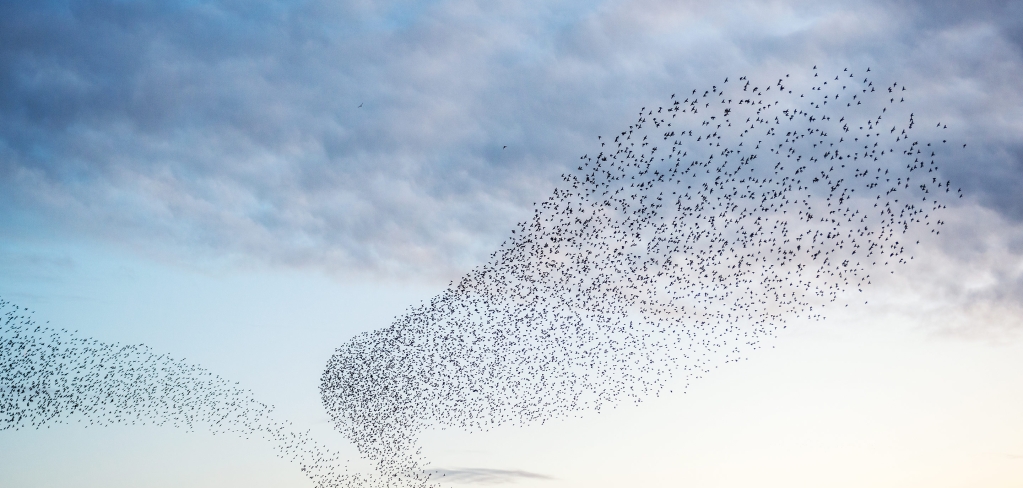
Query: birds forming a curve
{"type": "Point", "coordinates": [678, 244]}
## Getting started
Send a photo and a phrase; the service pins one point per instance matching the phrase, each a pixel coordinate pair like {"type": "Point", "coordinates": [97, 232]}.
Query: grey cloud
{"type": "Point", "coordinates": [998, 186]}
{"type": "Point", "coordinates": [223, 128]}
{"type": "Point", "coordinates": [484, 476]}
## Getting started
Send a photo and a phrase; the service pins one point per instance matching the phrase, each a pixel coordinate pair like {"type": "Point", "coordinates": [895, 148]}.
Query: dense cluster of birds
{"type": "Point", "coordinates": [679, 243]}
{"type": "Point", "coordinates": [54, 376]}
{"type": "Point", "coordinates": [683, 242]}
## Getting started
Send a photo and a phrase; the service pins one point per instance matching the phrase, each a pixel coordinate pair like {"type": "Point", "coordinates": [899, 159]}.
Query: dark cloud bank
{"type": "Point", "coordinates": [234, 129]}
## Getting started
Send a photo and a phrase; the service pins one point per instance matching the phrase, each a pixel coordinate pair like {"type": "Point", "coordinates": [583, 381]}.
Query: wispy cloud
{"type": "Point", "coordinates": [484, 476]}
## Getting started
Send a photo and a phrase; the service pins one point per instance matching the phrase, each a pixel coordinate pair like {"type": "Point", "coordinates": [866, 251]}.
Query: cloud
{"type": "Point", "coordinates": [484, 476]}
{"type": "Point", "coordinates": [230, 130]}
{"type": "Point", "coordinates": [967, 285]}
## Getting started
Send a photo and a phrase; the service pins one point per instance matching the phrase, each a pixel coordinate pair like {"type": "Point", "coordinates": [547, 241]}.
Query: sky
{"type": "Point", "coordinates": [250, 184]}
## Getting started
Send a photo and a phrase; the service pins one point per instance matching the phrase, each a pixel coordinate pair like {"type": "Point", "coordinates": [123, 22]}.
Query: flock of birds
{"type": "Point", "coordinates": [681, 243]}
{"type": "Point", "coordinates": [54, 376]}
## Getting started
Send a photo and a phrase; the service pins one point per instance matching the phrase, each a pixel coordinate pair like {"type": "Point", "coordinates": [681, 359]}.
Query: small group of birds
{"type": "Point", "coordinates": [678, 244]}
{"type": "Point", "coordinates": [687, 240]}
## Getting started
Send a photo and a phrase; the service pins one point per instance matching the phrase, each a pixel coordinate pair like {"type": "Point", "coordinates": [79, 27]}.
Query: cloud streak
{"type": "Point", "coordinates": [485, 476]}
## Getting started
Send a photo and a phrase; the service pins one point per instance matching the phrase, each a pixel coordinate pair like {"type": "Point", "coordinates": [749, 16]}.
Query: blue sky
{"type": "Point", "coordinates": [250, 184]}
